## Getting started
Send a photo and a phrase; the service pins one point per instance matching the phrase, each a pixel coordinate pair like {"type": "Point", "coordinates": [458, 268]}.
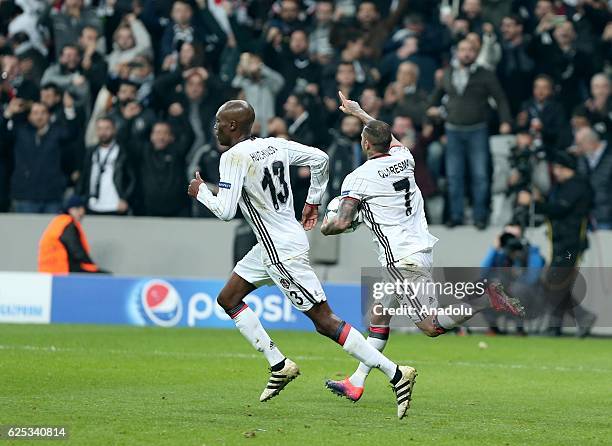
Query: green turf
{"type": "Point", "coordinates": [122, 385]}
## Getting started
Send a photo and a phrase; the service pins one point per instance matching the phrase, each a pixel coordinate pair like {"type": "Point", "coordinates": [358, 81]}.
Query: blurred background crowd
{"type": "Point", "coordinates": [115, 99]}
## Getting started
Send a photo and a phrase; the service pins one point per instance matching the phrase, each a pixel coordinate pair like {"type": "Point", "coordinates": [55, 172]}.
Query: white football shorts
{"type": "Point", "coordinates": [294, 277]}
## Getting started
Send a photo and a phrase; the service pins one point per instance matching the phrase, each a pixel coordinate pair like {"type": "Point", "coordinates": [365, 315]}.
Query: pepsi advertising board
{"type": "Point", "coordinates": [86, 299]}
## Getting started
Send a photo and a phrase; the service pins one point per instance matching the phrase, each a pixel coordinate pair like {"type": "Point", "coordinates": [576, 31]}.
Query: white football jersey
{"type": "Point", "coordinates": [391, 204]}
{"type": "Point", "coordinates": [255, 175]}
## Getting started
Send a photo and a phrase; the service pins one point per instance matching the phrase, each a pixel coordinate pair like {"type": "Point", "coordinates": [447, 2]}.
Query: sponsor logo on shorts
{"type": "Point", "coordinates": [224, 185]}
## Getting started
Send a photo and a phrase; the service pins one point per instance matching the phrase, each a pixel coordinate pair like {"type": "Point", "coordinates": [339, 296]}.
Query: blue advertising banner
{"type": "Point", "coordinates": [87, 299]}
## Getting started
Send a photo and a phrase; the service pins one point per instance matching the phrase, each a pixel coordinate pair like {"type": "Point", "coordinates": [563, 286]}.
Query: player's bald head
{"type": "Point", "coordinates": [239, 112]}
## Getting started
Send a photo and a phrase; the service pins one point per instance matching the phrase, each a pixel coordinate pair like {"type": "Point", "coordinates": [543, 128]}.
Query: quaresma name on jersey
{"type": "Point", "coordinates": [255, 175]}
{"type": "Point", "coordinates": [391, 204]}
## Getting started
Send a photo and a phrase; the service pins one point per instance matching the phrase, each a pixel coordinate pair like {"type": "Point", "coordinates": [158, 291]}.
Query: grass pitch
{"type": "Point", "coordinates": [149, 386]}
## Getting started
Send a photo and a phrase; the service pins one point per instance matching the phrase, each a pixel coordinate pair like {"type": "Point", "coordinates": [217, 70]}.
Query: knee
{"type": "Point", "coordinates": [228, 301]}
{"type": "Point", "coordinates": [325, 328]}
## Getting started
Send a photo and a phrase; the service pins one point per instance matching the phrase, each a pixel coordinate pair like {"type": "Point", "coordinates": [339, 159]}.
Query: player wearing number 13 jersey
{"type": "Point", "coordinates": [254, 174]}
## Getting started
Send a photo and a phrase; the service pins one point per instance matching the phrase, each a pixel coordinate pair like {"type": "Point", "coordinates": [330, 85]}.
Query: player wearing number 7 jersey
{"type": "Point", "coordinates": [383, 189]}
{"type": "Point", "coordinates": [254, 174]}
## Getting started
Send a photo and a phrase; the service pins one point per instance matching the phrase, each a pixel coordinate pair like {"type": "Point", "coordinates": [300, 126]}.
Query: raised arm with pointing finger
{"type": "Point", "coordinates": [353, 108]}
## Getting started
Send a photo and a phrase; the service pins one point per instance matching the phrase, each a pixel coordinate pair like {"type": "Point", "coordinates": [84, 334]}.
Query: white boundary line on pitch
{"type": "Point", "coordinates": [53, 349]}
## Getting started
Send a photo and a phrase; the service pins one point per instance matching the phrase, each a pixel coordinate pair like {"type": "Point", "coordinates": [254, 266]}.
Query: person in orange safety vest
{"type": "Point", "coordinates": [63, 247]}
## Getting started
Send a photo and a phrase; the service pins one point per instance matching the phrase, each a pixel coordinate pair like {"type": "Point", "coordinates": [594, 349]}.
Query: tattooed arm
{"type": "Point", "coordinates": [344, 218]}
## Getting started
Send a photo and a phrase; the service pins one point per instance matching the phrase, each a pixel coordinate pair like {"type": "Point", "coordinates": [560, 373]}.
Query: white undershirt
{"type": "Point", "coordinates": [108, 199]}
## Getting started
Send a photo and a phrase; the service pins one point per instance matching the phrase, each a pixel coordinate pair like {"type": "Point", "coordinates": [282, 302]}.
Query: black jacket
{"type": "Point", "coordinates": [601, 182]}
{"type": "Point", "coordinates": [567, 210]}
{"type": "Point", "coordinates": [161, 174]}
{"type": "Point", "coordinates": [123, 177]}
{"type": "Point", "coordinates": [555, 131]}
{"type": "Point", "coordinates": [341, 157]}
{"type": "Point", "coordinates": [571, 70]}
{"type": "Point", "coordinates": [168, 89]}
{"type": "Point", "coordinates": [77, 255]}
{"type": "Point", "coordinates": [37, 172]}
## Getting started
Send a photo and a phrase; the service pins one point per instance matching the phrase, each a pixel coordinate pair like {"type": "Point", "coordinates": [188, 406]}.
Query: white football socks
{"type": "Point", "coordinates": [359, 377]}
{"type": "Point", "coordinates": [355, 344]}
{"type": "Point", "coordinates": [249, 325]}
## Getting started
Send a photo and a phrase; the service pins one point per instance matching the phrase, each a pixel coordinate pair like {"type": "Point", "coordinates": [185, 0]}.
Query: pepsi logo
{"type": "Point", "coordinates": [161, 303]}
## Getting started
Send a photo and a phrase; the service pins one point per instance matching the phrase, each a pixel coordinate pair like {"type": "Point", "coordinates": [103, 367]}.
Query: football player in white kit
{"type": "Point", "coordinates": [384, 190]}
{"type": "Point", "coordinates": [254, 174]}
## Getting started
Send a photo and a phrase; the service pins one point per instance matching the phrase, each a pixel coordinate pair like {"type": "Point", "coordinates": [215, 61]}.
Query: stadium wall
{"type": "Point", "coordinates": [202, 248]}
{"type": "Point", "coordinates": [169, 271]}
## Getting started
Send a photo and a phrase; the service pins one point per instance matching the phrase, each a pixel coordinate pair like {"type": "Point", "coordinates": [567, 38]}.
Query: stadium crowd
{"type": "Point", "coordinates": [115, 99]}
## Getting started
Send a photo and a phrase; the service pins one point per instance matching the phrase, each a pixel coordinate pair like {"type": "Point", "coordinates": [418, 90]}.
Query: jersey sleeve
{"type": "Point", "coordinates": [232, 171]}
{"type": "Point", "coordinates": [353, 187]}
{"type": "Point", "coordinates": [318, 161]}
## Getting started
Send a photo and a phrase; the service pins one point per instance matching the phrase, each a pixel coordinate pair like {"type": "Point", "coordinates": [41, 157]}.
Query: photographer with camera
{"type": "Point", "coordinates": [567, 209]}
{"type": "Point", "coordinates": [529, 169]}
{"type": "Point", "coordinates": [517, 264]}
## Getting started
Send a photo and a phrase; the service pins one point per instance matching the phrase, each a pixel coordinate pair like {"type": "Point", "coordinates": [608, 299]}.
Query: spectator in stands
{"type": "Point", "coordinates": [316, 48]}
{"type": "Point", "coordinates": [126, 107]}
{"type": "Point", "coordinates": [320, 46]}
{"type": "Point", "coordinates": [107, 181]}
{"type": "Point", "coordinates": [471, 11]}
{"type": "Point", "coordinates": [67, 23]}
{"type": "Point", "coordinates": [301, 127]}
{"type": "Point", "coordinates": [196, 93]}
{"type": "Point", "coordinates": [72, 154]}
{"type": "Point", "coordinates": [515, 70]}
{"type": "Point", "coordinates": [69, 75]}
{"type": "Point", "coordinates": [293, 63]}
{"type": "Point", "coordinates": [598, 108]}
{"type": "Point", "coordinates": [63, 247]}
{"type": "Point", "coordinates": [260, 84]}
{"type": "Point", "coordinates": [160, 164]}
{"type": "Point", "coordinates": [184, 27]}
{"type": "Point", "coordinates": [93, 63]}
{"type": "Point", "coordinates": [346, 82]}
{"type": "Point", "coordinates": [277, 128]}
{"type": "Point", "coordinates": [51, 96]}
{"type": "Point", "coordinates": [543, 116]}
{"type": "Point", "coordinates": [190, 55]}
{"type": "Point", "coordinates": [130, 39]}
{"type": "Point", "coordinates": [468, 88]}
{"type": "Point", "coordinates": [13, 83]}
{"type": "Point", "coordinates": [345, 153]}
{"type": "Point", "coordinates": [404, 97]}
{"type": "Point", "coordinates": [285, 22]}
{"type": "Point", "coordinates": [571, 68]}
{"type": "Point", "coordinates": [375, 29]}
{"type": "Point", "coordinates": [489, 50]}
{"type": "Point", "coordinates": [372, 104]}
{"type": "Point", "coordinates": [595, 163]}
{"type": "Point", "coordinates": [37, 149]}
{"type": "Point", "coordinates": [409, 52]}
